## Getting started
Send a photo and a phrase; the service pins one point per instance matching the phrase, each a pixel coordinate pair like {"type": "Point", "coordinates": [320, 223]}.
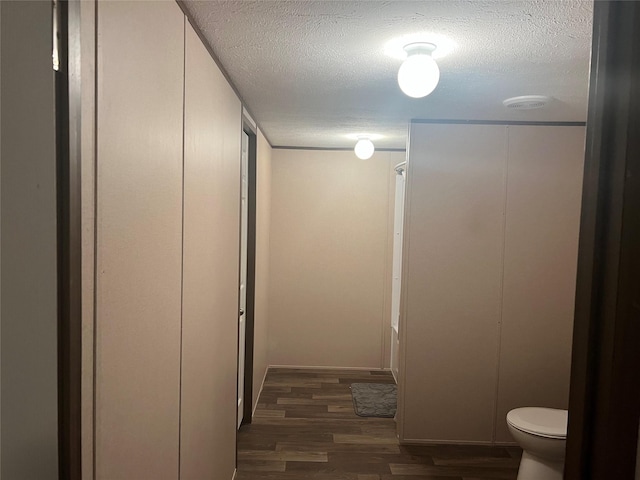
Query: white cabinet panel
{"type": "Point", "coordinates": [211, 268]}
{"type": "Point", "coordinates": [540, 262]}
{"type": "Point", "coordinates": [451, 281]}
{"type": "Point", "coordinates": [139, 239]}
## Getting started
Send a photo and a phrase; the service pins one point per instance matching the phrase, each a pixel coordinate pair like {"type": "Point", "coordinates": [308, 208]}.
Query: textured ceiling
{"type": "Point", "coordinates": [312, 72]}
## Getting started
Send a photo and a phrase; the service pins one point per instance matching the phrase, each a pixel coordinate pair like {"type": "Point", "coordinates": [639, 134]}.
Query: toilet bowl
{"type": "Point", "coordinates": [542, 433]}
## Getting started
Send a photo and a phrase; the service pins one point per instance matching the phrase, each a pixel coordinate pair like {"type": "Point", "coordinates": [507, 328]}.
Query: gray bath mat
{"type": "Point", "coordinates": [375, 399]}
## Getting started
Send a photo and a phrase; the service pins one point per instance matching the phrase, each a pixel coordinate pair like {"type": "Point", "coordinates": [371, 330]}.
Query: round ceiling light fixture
{"type": "Point", "coordinates": [419, 73]}
{"type": "Point", "coordinates": [364, 148]}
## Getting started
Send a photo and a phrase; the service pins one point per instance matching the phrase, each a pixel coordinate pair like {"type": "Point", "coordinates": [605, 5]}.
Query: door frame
{"type": "Point", "coordinates": [604, 405]}
{"type": "Point", "coordinates": [250, 130]}
{"type": "Point", "coordinates": [596, 392]}
{"type": "Point", "coordinates": [66, 23]}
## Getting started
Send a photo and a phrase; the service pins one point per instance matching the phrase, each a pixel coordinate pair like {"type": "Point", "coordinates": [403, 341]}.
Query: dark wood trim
{"type": "Point", "coordinates": [67, 84]}
{"type": "Point", "coordinates": [500, 122]}
{"type": "Point", "coordinates": [335, 149]}
{"type": "Point", "coordinates": [604, 405]}
{"type": "Point", "coordinates": [251, 275]}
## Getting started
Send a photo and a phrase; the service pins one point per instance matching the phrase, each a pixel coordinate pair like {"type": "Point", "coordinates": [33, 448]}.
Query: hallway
{"type": "Point", "coordinates": [305, 427]}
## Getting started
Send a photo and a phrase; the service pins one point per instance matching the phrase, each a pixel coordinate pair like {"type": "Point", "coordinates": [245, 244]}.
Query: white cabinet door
{"type": "Point", "coordinates": [398, 220]}
{"type": "Point", "coordinates": [242, 323]}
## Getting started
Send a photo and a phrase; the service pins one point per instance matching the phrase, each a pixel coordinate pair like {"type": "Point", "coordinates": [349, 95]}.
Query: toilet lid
{"type": "Point", "coordinates": [544, 422]}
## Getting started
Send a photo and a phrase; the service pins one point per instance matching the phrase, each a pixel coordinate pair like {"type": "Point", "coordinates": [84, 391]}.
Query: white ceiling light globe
{"type": "Point", "coordinates": [419, 73]}
{"type": "Point", "coordinates": [364, 149]}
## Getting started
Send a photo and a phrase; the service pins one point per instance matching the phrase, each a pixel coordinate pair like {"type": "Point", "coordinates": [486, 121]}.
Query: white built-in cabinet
{"type": "Point", "coordinates": [167, 249]}
{"type": "Point", "coordinates": [489, 266]}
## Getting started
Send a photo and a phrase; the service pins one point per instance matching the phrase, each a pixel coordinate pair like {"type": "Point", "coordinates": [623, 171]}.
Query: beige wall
{"type": "Point", "coordinates": [489, 275]}
{"type": "Point", "coordinates": [29, 413]}
{"type": "Point", "coordinates": [263, 220]}
{"type": "Point", "coordinates": [139, 239]}
{"type": "Point", "coordinates": [330, 258]}
{"type": "Point", "coordinates": [211, 268]}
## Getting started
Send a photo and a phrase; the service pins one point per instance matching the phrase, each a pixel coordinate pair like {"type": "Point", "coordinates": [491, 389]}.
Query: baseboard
{"type": "Point", "coordinates": [264, 378]}
{"type": "Point", "coordinates": [419, 441]}
{"type": "Point", "coordinates": [505, 444]}
{"type": "Point", "coordinates": [394, 376]}
{"type": "Point", "coordinates": [235, 470]}
{"type": "Point", "coordinates": [328, 367]}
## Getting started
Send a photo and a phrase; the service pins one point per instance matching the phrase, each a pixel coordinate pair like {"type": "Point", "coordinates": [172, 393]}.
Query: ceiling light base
{"type": "Point", "coordinates": [420, 47]}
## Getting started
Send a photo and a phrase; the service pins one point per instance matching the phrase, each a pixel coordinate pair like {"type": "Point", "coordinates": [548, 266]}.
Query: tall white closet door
{"type": "Point", "coordinates": [242, 318]}
{"type": "Point", "coordinates": [139, 239]}
{"type": "Point", "coordinates": [398, 222]}
{"type": "Point", "coordinates": [211, 268]}
{"type": "Point", "coordinates": [397, 248]}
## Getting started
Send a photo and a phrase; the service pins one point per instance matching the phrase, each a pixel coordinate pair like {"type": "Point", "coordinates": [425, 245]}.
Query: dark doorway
{"type": "Point", "coordinates": [66, 32]}
{"type": "Point", "coordinates": [250, 131]}
{"type": "Point", "coordinates": [604, 406]}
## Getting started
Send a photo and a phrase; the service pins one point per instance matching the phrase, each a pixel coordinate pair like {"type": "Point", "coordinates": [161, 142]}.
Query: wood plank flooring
{"type": "Point", "coordinates": [305, 427]}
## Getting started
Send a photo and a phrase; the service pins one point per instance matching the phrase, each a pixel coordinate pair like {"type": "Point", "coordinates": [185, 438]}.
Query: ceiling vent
{"type": "Point", "coordinates": [526, 102]}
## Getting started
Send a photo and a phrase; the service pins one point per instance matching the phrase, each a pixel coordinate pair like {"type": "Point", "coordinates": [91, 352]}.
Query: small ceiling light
{"type": "Point", "coordinates": [419, 73]}
{"type": "Point", "coordinates": [364, 148]}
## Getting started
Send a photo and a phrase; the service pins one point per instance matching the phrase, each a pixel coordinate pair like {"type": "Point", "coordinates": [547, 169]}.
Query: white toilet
{"type": "Point", "coordinates": [542, 434]}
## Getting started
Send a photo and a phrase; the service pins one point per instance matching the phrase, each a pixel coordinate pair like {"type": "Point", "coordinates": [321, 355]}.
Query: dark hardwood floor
{"type": "Point", "coordinates": [305, 427]}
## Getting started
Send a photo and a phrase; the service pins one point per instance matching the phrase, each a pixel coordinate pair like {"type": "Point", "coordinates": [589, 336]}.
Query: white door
{"type": "Point", "coordinates": [398, 221]}
{"type": "Point", "coordinates": [242, 324]}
